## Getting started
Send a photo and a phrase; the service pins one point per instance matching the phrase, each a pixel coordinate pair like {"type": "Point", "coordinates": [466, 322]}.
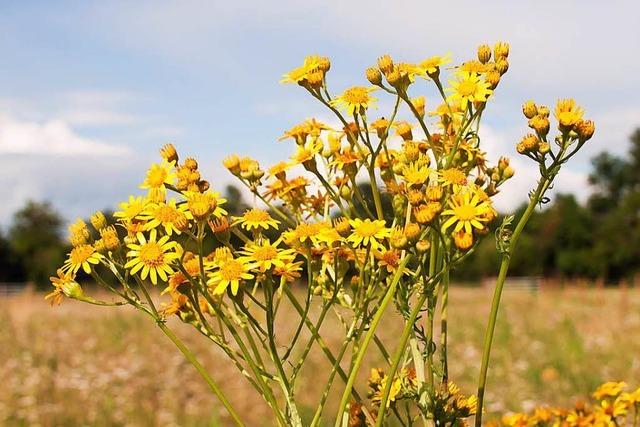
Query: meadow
{"type": "Point", "coordinates": [83, 365]}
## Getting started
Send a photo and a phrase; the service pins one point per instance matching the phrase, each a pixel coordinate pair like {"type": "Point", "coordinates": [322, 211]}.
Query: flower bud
{"type": "Point", "coordinates": [502, 66]}
{"type": "Point", "coordinates": [232, 163]}
{"type": "Point", "coordinates": [540, 124]}
{"type": "Point", "coordinates": [544, 148]}
{"type": "Point", "coordinates": [72, 289]}
{"type": "Point", "coordinates": [423, 246]}
{"type": "Point", "coordinates": [463, 240]}
{"type": "Point", "coordinates": [529, 109]}
{"type": "Point", "coordinates": [324, 64]}
{"type": "Point", "coordinates": [385, 63]}
{"type": "Point", "coordinates": [374, 76]}
{"type": "Point", "coordinates": [585, 129]}
{"type": "Point", "coordinates": [98, 220]}
{"type": "Point", "coordinates": [493, 78]}
{"type": "Point", "coordinates": [169, 153]}
{"type": "Point", "coordinates": [412, 231]}
{"type": "Point", "coordinates": [191, 163]}
{"type": "Point", "coordinates": [500, 51]}
{"type": "Point", "coordinates": [484, 53]}
{"type": "Point", "coordinates": [342, 226]}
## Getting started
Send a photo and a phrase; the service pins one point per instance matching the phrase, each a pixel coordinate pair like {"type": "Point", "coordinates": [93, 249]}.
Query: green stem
{"type": "Point", "coordinates": [203, 372]}
{"type": "Point", "coordinates": [543, 185]}
{"type": "Point", "coordinates": [367, 339]}
{"type": "Point", "coordinates": [443, 326]}
{"type": "Point", "coordinates": [406, 333]}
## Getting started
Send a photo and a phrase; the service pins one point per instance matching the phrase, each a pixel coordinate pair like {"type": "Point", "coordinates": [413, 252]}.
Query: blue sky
{"type": "Point", "coordinates": [90, 90]}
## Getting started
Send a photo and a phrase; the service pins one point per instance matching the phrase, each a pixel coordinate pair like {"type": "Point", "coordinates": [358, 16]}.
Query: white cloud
{"type": "Point", "coordinates": [51, 137]}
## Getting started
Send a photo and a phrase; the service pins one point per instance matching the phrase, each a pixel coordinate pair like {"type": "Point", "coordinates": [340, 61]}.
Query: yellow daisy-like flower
{"type": "Point", "coordinates": [82, 256]}
{"type": "Point", "coordinates": [289, 272]}
{"type": "Point", "coordinates": [256, 219]}
{"type": "Point", "coordinates": [160, 174]}
{"type": "Point", "coordinates": [131, 209]}
{"type": "Point", "coordinates": [416, 174]}
{"type": "Point", "coordinates": [229, 273]}
{"type": "Point", "coordinates": [64, 284]}
{"type": "Point", "coordinates": [300, 74]}
{"type": "Point", "coordinates": [307, 152]}
{"type": "Point", "coordinates": [568, 113]}
{"type": "Point", "coordinates": [265, 255]}
{"type": "Point", "coordinates": [609, 389]}
{"type": "Point", "coordinates": [368, 232]}
{"type": "Point", "coordinates": [468, 88]}
{"type": "Point", "coordinates": [304, 232]}
{"type": "Point", "coordinates": [152, 257]}
{"type": "Point", "coordinates": [466, 211]}
{"type": "Point", "coordinates": [203, 205]}
{"type": "Point", "coordinates": [454, 177]}
{"type": "Point", "coordinates": [432, 65]}
{"type": "Point", "coordinates": [355, 99]}
{"type": "Point", "coordinates": [169, 216]}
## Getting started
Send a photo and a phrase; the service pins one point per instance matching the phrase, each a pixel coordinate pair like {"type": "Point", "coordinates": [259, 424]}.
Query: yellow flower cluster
{"type": "Point", "coordinates": [614, 406]}
{"type": "Point", "coordinates": [369, 212]}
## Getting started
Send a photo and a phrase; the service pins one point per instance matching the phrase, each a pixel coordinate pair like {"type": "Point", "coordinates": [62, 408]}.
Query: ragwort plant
{"type": "Point", "coordinates": [312, 224]}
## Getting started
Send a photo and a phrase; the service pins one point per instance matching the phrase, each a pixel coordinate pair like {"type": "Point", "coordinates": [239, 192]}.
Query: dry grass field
{"type": "Point", "coordinates": [84, 365]}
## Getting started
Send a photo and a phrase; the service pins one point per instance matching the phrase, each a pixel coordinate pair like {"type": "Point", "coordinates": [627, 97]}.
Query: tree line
{"type": "Point", "coordinates": [564, 239]}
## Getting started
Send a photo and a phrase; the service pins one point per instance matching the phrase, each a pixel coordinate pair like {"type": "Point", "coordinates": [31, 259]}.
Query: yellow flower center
{"type": "Point", "coordinates": [454, 176]}
{"type": "Point", "coordinates": [304, 231]}
{"type": "Point", "coordinates": [232, 270]}
{"type": "Point", "coordinates": [151, 254]}
{"type": "Point", "coordinates": [465, 212]}
{"type": "Point", "coordinates": [265, 253]}
{"type": "Point", "coordinates": [467, 87]}
{"type": "Point", "coordinates": [356, 96]}
{"type": "Point", "coordinates": [156, 176]}
{"type": "Point", "coordinates": [368, 229]}
{"type": "Point", "coordinates": [133, 209]}
{"type": "Point", "coordinates": [256, 215]}
{"type": "Point", "coordinates": [166, 213]}
{"type": "Point", "coordinates": [80, 254]}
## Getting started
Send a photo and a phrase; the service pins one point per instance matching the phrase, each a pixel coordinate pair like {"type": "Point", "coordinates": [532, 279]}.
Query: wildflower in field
{"type": "Point", "coordinates": [81, 256]}
{"type": "Point", "coordinates": [432, 65]}
{"type": "Point", "coordinates": [64, 285]}
{"type": "Point", "coordinates": [264, 255]}
{"type": "Point", "coordinates": [201, 206]}
{"type": "Point", "coordinates": [416, 174]}
{"type": "Point", "coordinates": [355, 100]}
{"type": "Point", "coordinates": [453, 177]}
{"type": "Point", "coordinates": [609, 389]}
{"type": "Point", "coordinates": [468, 88]}
{"type": "Point", "coordinates": [568, 113]}
{"type": "Point", "coordinates": [289, 272]}
{"type": "Point", "coordinates": [230, 273]}
{"type": "Point", "coordinates": [169, 216]}
{"type": "Point", "coordinates": [131, 209]}
{"type": "Point", "coordinates": [152, 257]}
{"type": "Point", "coordinates": [300, 74]}
{"type": "Point", "coordinates": [368, 233]}
{"type": "Point", "coordinates": [466, 211]}
{"type": "Point", "coordinates": [159, 174]}
{"type": "Point", "coordinates": [256, 219]}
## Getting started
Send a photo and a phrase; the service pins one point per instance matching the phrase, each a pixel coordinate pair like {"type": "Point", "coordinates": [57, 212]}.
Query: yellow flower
{"type": "Point", "coordinates": [432, 65]}
{"type": "Point", "coordinates": [307, 152]}
{"type": "Point", "coordinates": [81, 256]}
{"type": "Point", "coordinates": [289, 272]}
{"type": "Point", "coordinates": [170, 216]}
{"type": "Point", "coordinates": [265, 255]}
{"type": "Point", "coordinates": [256, 219]}
{"type": "Point", "coordinates": [609, 389]}
{"type": "Point", "coordinates": [416, 174]}
{"type": "Point", "coordinates": [159, 174]}
{"type": "Point", "coordinates": [152, 257]}
{"type": "Point", "coordinates": [355, 99]}
{"type": "Point", "coordinates": [131, 209]}
{"type": "Point", "coordinates": [300, 74]}
{"type": "Point", "coordinates": [468, 88]}
{"type": "Point", "coordinates": [454, 177]}
{"type": "Point", "coordinates": [568, 113]}
{"type": "Point", "coordinates": [304, 232]}
{"type": "Point", "coordinates": [230, 273]}
{"type": "Point", "coordinates": [203, 205]}
{"type": "Point", "coordinates": [368, 232]}
{"type": "Point", "coordinates": [64, 285]}
{"type": "Point", "coordinates": [467, 212]}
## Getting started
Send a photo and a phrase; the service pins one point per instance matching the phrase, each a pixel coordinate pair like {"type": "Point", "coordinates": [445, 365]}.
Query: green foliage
{"type": "Point", "coordinates": [35, 239]}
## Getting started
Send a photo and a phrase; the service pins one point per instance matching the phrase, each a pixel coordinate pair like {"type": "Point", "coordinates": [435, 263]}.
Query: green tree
{"type": "Point", "coordinates": [35, 237]}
